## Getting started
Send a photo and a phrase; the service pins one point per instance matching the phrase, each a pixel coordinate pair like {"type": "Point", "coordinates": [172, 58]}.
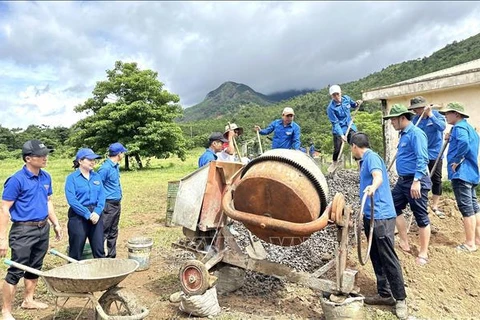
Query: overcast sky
{"type": "Point", "coordinates": [52, 53]}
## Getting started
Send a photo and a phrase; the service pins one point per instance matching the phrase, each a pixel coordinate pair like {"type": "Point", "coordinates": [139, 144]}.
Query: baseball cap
{"type": "Point", "coordinates": [116, 148]}
{"type": "Point", "coordinates": [217, 136]}
{"type": "Point", "coordinates": [334, 89]}
{"type": "Point", "coordinates": [35, 148]}
{"type": "Point", "coordinates": [86, 153]}
{"type": "Point", "coordinates": [287, 111]}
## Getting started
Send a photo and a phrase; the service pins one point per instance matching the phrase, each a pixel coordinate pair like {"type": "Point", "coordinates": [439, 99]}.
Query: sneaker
{"type": "Point", "coordinates": [401, 309]}
{"type": "Point", "coordinates": [379, 300]}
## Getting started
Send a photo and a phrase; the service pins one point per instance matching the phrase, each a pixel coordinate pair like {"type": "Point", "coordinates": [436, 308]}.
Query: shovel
{"type": "Point", "coordinates": [334, 166]}
{"type": "Point", "coordinates": [255, 250]}
{"type": "Point", "coordinates": [259, 142]}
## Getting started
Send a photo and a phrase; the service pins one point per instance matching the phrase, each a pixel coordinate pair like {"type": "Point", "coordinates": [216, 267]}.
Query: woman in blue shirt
{"type": "Point", "coordinates": [86, 198]}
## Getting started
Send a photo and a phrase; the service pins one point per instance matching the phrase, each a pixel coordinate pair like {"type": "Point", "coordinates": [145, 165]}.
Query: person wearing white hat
{"type": "Point", "coordinates": [338, 112]}
{"type": "Point", "coordinates": [228, 152]}
{"type": "Point", "coordinates": [286, 133]}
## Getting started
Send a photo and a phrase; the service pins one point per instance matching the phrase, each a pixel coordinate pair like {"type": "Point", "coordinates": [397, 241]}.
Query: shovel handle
{"type": "Point", "coordinates": [259, 142]}
{"type": "Point", "coordinates": [63, 256]}
{"type": "Point", "coordinates": [23, 267]}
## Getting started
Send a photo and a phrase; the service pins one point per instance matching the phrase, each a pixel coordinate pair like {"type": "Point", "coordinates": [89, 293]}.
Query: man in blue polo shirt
{"type": "Point", "coordinates": [26, 200]}
{"type": "Point", "coordinates": [286, 133]}
{"type": "Point", "coordinates": [338, 111]}
{"type": "Point", "coordinates": [462, 158]}
{"type": "Point", "coordinates": [433, 124]}
{"type": "Point", "coordinates": [215, 144]}
{"type": "Point", "coordinates": [413, 180]}
{"type": "Point", "coordinates": [374, 182]}
{"type": "Point", "coordinates": [110, 173]}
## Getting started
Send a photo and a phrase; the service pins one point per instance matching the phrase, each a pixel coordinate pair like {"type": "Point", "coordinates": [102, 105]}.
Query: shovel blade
{"type": "Point", "coordinates": [255, 250]}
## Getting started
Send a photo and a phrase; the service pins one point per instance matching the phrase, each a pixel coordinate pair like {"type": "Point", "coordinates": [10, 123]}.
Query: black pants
{"type": "Point", "coordinates": [111, 217]}
{"type": "Point", "coordinates": [29, 245]}
{"type": "Point", "coordinates": [436, 177]}
{"type": "Point", "coordinates": [384, 259]}
{"type": "Point", "coordinates": [337, 143]}
{"type": "Point", "coordinates": [79, 229]}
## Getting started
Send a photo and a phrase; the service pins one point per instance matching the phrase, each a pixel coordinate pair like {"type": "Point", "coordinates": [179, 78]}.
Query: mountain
{"type": "Point", "coordinates": [285, 95]}
{"type": "Point", "coordinates": [225, 100]}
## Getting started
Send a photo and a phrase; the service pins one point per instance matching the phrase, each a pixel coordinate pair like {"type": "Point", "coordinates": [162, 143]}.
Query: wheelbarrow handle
{"type": "Point", "coordinates": [22, 267]}
{"type": "Point", "coordinates": [63, 256]}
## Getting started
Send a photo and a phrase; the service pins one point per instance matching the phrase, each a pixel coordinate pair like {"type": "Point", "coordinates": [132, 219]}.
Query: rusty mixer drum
{"type": "Point", "coordinates": [286, 186]}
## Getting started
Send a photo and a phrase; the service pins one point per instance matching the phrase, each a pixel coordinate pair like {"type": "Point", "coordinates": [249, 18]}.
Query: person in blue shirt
{"type": "Point", "coordinates": [375, 183]}
{"type": "Point", "coordinates": [86, 197]}
{"type": "Point", "coordinates": [433, 124]}
{"type": "Point", "coordinates": [110, 173]}
{"type": "Point", "coordinates": [338, 111]}
{"type": "Point", "coordinates": [462, 164]}
{"type": "Point", "coordinates": [26, 201]}
{"type": "Point", "coordinates": [413, 181]}
{"type": "Point", "coordinates": [215, 145]}
{"type": "Point", "coordinates": [286, 133]}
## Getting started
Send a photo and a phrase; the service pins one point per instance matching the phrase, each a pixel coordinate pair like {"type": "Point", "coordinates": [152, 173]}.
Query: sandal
{"type": "Point", "coordinates": [463, 248]}
{"type": "Point", "coordinates": [421, 261]}
{"type": "Point", "coordinates": [439, 213]}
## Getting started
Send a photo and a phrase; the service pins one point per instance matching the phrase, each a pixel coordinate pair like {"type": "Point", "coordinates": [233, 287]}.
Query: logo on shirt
{"type": "Point", "coordinates": [288, 133]}
{"type": "Point", "coordinates": [96, 182]}
{"type": "Point", "coordinates": [46, 186]}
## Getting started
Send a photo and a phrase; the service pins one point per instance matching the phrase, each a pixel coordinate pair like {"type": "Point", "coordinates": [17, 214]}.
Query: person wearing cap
{"type": "Point", "coordinates": [374, 182]}
{"type": "Point", "coordinates": [286, 133]}
{"type": "Point", "coordinates": [433, 124]}
{"type": "Point", "coordinates": [227, 153]}
{"type": "Point", "coordinates": [462, 166]}
{"type": "Point", "coordinates": [413, 181]}
{"type": "Point", "coordinates": [338, 111]}
{"type": "Point", "coordinates": [86, 197]}
{"type": "Point", "coordinates": [26, 201]}
{"type": "Point", "coordinates": [215, 145]}
{"type": "Point", "coordinates": [109, 171]}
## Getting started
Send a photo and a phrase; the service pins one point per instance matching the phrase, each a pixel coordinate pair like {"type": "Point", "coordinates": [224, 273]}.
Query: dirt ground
{"type": "Point", "coordinates": [448, 287]}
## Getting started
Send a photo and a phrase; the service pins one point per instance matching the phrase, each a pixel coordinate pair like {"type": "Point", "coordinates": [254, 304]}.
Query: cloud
{"type": "Point", "coordinates": [196, 46]}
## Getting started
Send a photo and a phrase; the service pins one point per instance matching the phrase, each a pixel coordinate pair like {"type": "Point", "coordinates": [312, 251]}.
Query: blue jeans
{"type": "Point", "coordinates": [466, 197]}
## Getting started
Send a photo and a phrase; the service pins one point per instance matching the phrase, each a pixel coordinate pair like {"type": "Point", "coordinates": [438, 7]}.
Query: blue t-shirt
{"type": "Point", "coordinates": [463, 147]}
{"type": "Point", "coordinates": [30, 195]}
{"type": "Point", "coordinates": [412, 154]}
{"type": "Point", "coordinates": [383, 207]}
{"type": "Point", "coordinates": [339, 115]}
{"type": "Point", "coordinates": [433, 128]}
{"type": "Point", "coordinates": [284, 136]}
{"type": "Point", "coordinates": [206, 157]}
{"type": "Point", "coordinates": [110, 173]}
{"type": "Point", "coordinates": [82, 193]}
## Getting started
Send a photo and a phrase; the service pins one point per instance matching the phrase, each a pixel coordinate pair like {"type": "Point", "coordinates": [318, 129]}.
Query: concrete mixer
{"type": "Point", "coordinates": [281, 197]}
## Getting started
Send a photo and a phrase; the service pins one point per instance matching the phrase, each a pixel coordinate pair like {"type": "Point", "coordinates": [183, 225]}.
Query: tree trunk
{"type": "Point", "coordinates": [139, 161]}
{"type": "Point", "coordinates": [127, 163]}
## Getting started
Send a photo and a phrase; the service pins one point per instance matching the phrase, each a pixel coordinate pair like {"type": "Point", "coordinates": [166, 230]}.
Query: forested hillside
{"type": "Point", "coordinates": [310, 108]}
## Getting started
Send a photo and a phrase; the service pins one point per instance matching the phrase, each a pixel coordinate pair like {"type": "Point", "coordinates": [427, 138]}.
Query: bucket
{"type": "Point", "coordinates": [351, 308]}
{"type": "Point", "coordinates": [139, 249]}
{"type": "Point", "coordinates": [87, 252]}
{"type": "Point", "coordinates": [172, 191]}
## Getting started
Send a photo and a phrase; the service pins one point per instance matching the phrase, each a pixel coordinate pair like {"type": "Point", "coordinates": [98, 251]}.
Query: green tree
{"type": "Point", "coordinates": [132, 107]}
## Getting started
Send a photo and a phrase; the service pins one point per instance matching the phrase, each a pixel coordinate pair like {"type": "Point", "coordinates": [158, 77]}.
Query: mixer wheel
{"type": "Point", "coordinates": [194, 278]}
{"type": "Point", "coordinates": [338, 207]}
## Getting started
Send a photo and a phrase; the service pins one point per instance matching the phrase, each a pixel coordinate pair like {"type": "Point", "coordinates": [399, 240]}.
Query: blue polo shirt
{"type": "Point", "coordinates": [383, 207]}
{"type": "Point", "coordinates": [339, 115]}
{"type": "Point", "coordinates": [463, 145]}
{"type": "Point", "coordinates": [30, 195]}
{"type": "Point", "coordinates": [110, 173]}
{"type": "Point", "coordinates": [284, 136]}
{"type": "Point", "coordinates": [412, 154]}
{"type": "Point", "coordinates": [82, 193]}
{"type": "Point", "coordinates": [206, 157]}
{"type": "Point", "coordinates": [433, 128]}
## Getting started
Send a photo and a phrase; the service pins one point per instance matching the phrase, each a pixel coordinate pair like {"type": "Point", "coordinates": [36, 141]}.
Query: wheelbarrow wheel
{"type": "Point", "coordinates": [194, 278]}
{"type": "Point", "coordinates": [118, 302]}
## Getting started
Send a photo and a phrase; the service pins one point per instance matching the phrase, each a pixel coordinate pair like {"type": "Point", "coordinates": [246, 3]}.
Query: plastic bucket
{"type": "Point", "coordinates": [87, 252]}
{"type": "Point", "coordinates": [139, 249]}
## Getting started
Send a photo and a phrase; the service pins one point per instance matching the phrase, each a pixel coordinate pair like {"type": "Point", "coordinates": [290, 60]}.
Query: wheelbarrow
{"type": "Point", "coordinates": [82, 278]}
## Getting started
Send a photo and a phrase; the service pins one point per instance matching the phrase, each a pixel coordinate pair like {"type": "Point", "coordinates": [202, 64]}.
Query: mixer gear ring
{"type": "Point", "coordinates": [338, 207]}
